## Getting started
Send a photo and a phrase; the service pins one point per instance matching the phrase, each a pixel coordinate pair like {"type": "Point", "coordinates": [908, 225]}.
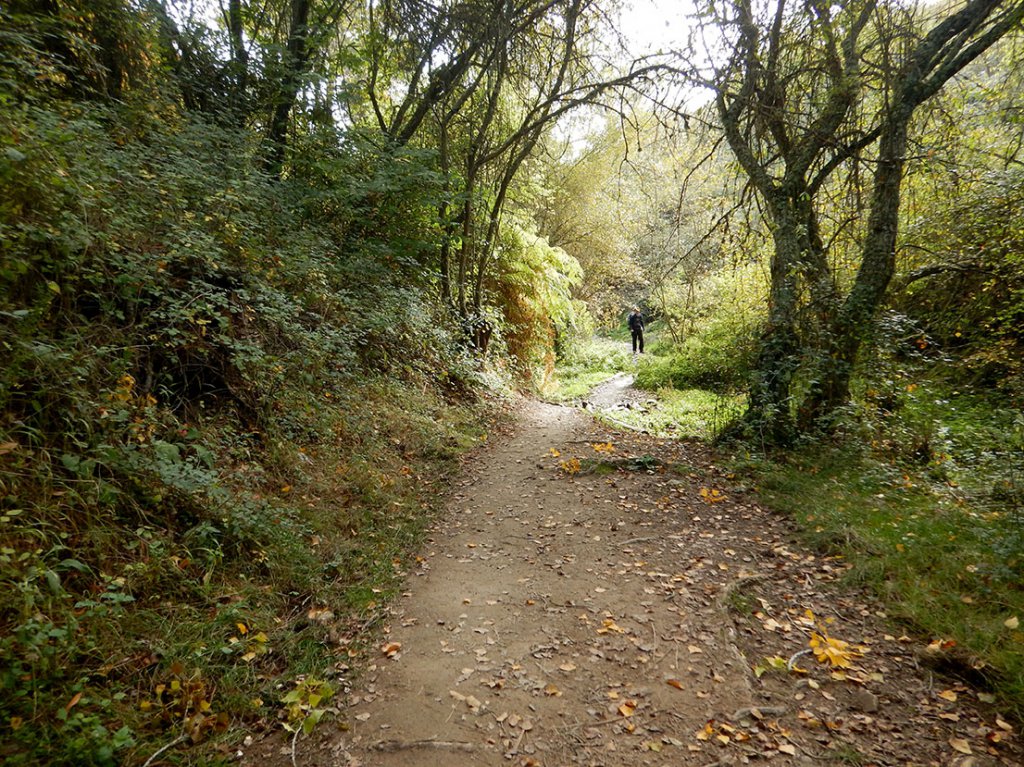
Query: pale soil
{"type": "Point", "coordinates": [615, 619]}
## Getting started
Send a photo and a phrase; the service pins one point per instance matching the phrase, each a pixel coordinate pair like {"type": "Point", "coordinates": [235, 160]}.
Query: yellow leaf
{"type": "Point", "coordinates": [572, 466]}
{"type": "Point", "coordinates": [961, 745]}
{"type": "Point", "coordinates": [948, 695]}
{"type": "Point", "coordinates": [552, 690]}
{"type": "Point", "coordinates": [555, 453]}
{"type": "Point", "coordinates": [627, 708]}
{"type": "Point", "coordinates": [1011, 623]}
{"type": "Point", "coordinates": [712, 495]}
{"type": "Point", "coordinates": [242, 628]}
{"type": "Point", "coordinates": [609, 625]}
{"type": "Point", "coordinates": [833, 651]}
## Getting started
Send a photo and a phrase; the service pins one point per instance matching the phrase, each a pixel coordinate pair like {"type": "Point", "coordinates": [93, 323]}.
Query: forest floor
{"type": "Point", "coordinates": [602, 597]}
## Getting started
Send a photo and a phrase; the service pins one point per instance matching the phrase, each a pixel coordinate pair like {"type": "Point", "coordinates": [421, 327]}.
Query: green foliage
{"type": "Point", "coordinates": [198, 428]}
{"type": "Point", "coordinates": [972, 309]}
{"type": "Point", "coordinates": [534, 282]}
{"type": "Point", "coordinates": [584, 363]}
{"type": "Point", "coordinates": [713, 334]}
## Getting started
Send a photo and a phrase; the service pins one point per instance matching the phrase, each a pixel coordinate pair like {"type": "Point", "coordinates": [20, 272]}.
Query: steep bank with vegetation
{"type": "Point", "coordinates": [231, 389]}
{"type": "Point", "coordinates": [226, 415]}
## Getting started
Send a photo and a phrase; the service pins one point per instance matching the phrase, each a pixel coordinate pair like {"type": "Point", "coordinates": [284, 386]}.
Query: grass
{"type": "Point", "coordinates": [588, 364]}
{"type": "Point", "coordinates": [690, 413]}
{"type": "Point", "coordinates": [927, 519]}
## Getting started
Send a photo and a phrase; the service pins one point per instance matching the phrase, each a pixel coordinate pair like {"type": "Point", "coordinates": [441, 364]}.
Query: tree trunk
{"type": "Point", "coordinates": [770, 397]}
{"type": "Point", "coordinates": [831, 388]}
{"type": "Point", "coordinates": [239, 58]}
{"type": "Point", "coordinates": [295, 58]}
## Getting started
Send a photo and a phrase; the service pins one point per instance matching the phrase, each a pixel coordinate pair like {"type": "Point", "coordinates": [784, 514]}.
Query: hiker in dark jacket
{"type": "Point", "coordinates": [636, 327]}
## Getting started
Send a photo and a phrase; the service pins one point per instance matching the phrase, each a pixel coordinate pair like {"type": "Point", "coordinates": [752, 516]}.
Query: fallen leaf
{"type": "Point", "coordinates": [1012, 623]}
{"type": "Point", "coordinates": [674, 683]}
{"type": "Point", "coordinates": [961, 745]}
{"type": "Point", "coordinates": [786, 748]}
{"type": "Point", "coordinates": [628, 708]}
{"type": "Point", "coordinates": [608, 626]}
{"type": "Point", "coordinates": [391, 649]}
{"type": "Point", "coordinates": [948, 695]}
{"type": "Point", "coordinates": [834, 651]}
{"type": "Point", "coordinates": [73, 702]}
{"type": "Point", "coordinates": [712, 495]}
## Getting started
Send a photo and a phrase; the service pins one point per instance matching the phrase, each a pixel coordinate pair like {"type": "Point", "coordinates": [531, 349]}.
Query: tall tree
{"type": "Point", "coordinates": [803, 91]}
{"type": "Point", "coordinates": [485, 81]}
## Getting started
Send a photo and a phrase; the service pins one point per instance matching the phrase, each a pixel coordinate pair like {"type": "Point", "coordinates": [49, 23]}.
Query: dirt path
{"type": "Point", "coordinates": [614, 616]}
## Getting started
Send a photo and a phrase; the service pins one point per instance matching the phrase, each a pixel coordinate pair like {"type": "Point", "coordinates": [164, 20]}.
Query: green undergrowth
{"type": "Point", "coordinates": [585, 365]}
{"type": "Point", "coordinates": [930, 516]}
{"type": "Point", "coordinates": [228, 403]}
{"type": "Point", "coordinates": [669, 412]}
{"type": "Point", "coordinates": [131, 620]}
{"type": "Point", "coordinates": [687, 413]}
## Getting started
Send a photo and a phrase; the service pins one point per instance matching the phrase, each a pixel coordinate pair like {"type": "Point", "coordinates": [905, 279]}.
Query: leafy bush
{"type": "Point", "coordinates": [534, 283]}
{"type": "Point", "coordinates": [199, 371]}
{"type": "Point", "coordinates": [710, 341]}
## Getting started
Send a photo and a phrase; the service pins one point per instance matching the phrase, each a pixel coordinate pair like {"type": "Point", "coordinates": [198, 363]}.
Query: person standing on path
{"type": "Point", "coordinates": [636, 327]}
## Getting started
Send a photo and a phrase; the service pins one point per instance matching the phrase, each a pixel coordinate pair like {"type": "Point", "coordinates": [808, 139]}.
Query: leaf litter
{"type": "Point", "coordinates": [637, 617]}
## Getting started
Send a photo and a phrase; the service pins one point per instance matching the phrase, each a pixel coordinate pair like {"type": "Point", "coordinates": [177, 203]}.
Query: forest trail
{"type": "Point", "coordinates": [614, 616]}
